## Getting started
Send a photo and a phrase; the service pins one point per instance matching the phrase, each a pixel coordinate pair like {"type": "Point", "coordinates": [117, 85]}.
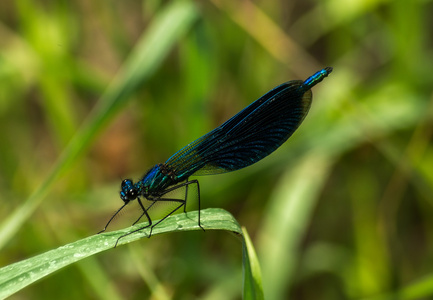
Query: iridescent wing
{"type": "Point", "coordinates": [252, 134]}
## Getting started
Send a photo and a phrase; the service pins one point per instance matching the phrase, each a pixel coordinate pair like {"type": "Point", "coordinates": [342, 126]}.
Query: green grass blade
{"type": "Point", "coordinates": [253, 287]}
{"type": "Point", "coordinates": [287, 220]}
{"type": "Point", "coordinates": [19, 275]}
{"type": "Point", "coordinates": [150, 50]}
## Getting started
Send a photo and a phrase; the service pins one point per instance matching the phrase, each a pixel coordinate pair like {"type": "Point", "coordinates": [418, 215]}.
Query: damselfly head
{"type": "Point", "coordinates": [128, 191]}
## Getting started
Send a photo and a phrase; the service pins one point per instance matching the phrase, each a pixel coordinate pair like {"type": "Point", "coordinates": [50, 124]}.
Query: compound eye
{"type": "Point", "coordinates": [132, 194]}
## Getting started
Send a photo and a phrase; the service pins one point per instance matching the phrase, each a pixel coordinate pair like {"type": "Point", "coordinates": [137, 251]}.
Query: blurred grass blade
{"type": "Point", "coordinates": [19, 275]}
{"type": "Point", "coordinates": [150, 51]}
{"type": "Point", "coordinates": [287, 219]}
{"type": "Point", "coordinates": [268, 33]}
{"type": "Point", "coordinates": [253, 287]}
{"type": "Point", "coordinates": [157, 289]}
{"type": "Point", "coordinates": [422, 289]}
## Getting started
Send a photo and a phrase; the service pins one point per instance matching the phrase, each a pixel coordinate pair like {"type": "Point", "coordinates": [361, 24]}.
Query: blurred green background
{"type": "Point", "coordinates": [92, 92]}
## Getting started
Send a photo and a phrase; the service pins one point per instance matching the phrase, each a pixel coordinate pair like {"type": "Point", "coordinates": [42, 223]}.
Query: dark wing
{"type": "Point", "coordinates": [249, 136]}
